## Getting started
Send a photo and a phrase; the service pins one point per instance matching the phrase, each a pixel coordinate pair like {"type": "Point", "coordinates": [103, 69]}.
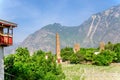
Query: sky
{"type": "Point", "coordinates": [31, 15]}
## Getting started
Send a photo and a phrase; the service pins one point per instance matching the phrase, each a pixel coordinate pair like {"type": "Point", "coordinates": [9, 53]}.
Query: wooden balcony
{"type": "Point", "coordinates": [5, 40]}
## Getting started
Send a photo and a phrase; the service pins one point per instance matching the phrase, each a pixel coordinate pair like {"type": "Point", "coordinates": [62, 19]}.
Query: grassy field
{"type": "Point", "coordinates": [91, 72]}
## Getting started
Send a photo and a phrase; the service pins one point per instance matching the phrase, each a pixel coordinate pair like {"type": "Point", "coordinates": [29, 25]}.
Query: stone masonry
{"type": "Point", "coordinates": [76, 48]}
{"type": "Point", "coordinates": [58, 48]}
{"type": "Point", "coordinates": [102, 46]}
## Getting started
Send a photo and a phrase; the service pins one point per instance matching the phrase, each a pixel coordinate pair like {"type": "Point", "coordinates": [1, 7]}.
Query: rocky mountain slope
{"type": "Point", "coordinates": [45, 38]}
{"type": "Point", "coordinates": [103, 26]}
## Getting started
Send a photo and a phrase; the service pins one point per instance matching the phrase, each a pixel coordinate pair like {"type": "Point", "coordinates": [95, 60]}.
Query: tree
{"type": "Point", "coordinates": [22, 66]}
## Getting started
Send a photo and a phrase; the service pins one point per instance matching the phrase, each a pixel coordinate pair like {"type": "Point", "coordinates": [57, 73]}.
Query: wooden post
{"type": "Point", "coordinates": [1, 63]}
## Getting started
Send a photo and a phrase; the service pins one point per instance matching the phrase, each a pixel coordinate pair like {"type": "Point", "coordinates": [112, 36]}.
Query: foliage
{"type": "Point", "coordinates": [109, 46]}
{"type": "Point", "coordinates": [89, 54]}
{"type": "Point", "coordinates": [116, 49]}
{"type": "Point", "coordinates": [84, 54]}
{"type": "Point", "coordinates": [104, 58]}
{"type": "Point", "coordinates": [66, 53]}
{"type": "Point", "coordinates": [76, 58]}
{"type": "Point", "coordinates": [22, 66]}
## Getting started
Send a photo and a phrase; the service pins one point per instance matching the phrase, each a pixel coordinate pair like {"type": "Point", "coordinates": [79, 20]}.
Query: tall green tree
{"type": "Point", "coordinates": [22, 66]}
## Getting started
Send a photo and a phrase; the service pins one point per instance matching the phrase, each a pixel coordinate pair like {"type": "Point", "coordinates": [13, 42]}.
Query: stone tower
{"type": "Point", "coordinates": [102, 46]}
{"type": "Point", "coordinates": [76, 48]}
{"type": "Point", "coordinates": [58, 48]}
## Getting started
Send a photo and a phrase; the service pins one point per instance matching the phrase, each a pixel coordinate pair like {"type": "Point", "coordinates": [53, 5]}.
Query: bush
{"type": "Point", "coordinates": [76, 58]}
{"type": "Point", "coordinates": [89, 55]}
{"type": "Point", "coordinates": [109, 46]}
{"type": "Point", "coordinates": [111, 54]}
{"type": "Point", "coordinates": [116, 49]}
{"type": "Point", "coordinates": [66, 53]}
{"type": "Point", "coordinates": [104, 58]}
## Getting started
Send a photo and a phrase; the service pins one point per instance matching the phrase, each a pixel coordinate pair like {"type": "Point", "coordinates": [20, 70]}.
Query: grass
{"type": "Point", "coordinates": [91, 72]}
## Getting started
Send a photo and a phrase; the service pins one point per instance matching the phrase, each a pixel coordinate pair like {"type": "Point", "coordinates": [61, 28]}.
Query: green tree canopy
{"type": "Point", "coordinates": [22, 66]}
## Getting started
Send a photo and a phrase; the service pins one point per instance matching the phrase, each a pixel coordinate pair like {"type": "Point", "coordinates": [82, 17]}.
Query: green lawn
{"type": "Point", "coordinates": [91, 72]}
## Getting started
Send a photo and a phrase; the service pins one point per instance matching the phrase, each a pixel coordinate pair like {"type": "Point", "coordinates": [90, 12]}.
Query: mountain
{"type": "Point", "coordinates": [103, 26]}
{"type": "Point", "coordinates": [45, 37]}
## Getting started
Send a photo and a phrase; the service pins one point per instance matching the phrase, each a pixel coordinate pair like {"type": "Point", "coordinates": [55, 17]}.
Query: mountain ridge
{"type": "Point", "coordinates": [102, 26]}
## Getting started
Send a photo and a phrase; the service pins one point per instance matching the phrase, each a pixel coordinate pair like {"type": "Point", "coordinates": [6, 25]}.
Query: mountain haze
{"type": "Point", "coordinates": [45, 38]}
{"type": "Point", "coordinates": [103, 26]}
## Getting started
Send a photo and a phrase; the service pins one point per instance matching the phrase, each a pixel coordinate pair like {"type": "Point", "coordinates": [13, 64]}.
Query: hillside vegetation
{"type": "Point", "coordinates": [111, 54]}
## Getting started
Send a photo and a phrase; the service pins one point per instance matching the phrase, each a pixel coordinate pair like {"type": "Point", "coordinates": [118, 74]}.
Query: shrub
{"type": "Point", "coordinates": [89, 55]}
{"type": "Point", "coordinates": [116, 49]}
{"type": "Point", "coordinates": [76, 58]}
{"type": "Point", "coordinates": [104, 58]}
{"type": "Point", "coordinates": [109, 46]}
{"type": "Point", "coordinates": [66, 53]}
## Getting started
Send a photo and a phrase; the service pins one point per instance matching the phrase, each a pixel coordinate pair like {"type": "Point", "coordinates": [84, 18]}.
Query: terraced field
{"type": "Point", "coordinates": [91, 72]}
